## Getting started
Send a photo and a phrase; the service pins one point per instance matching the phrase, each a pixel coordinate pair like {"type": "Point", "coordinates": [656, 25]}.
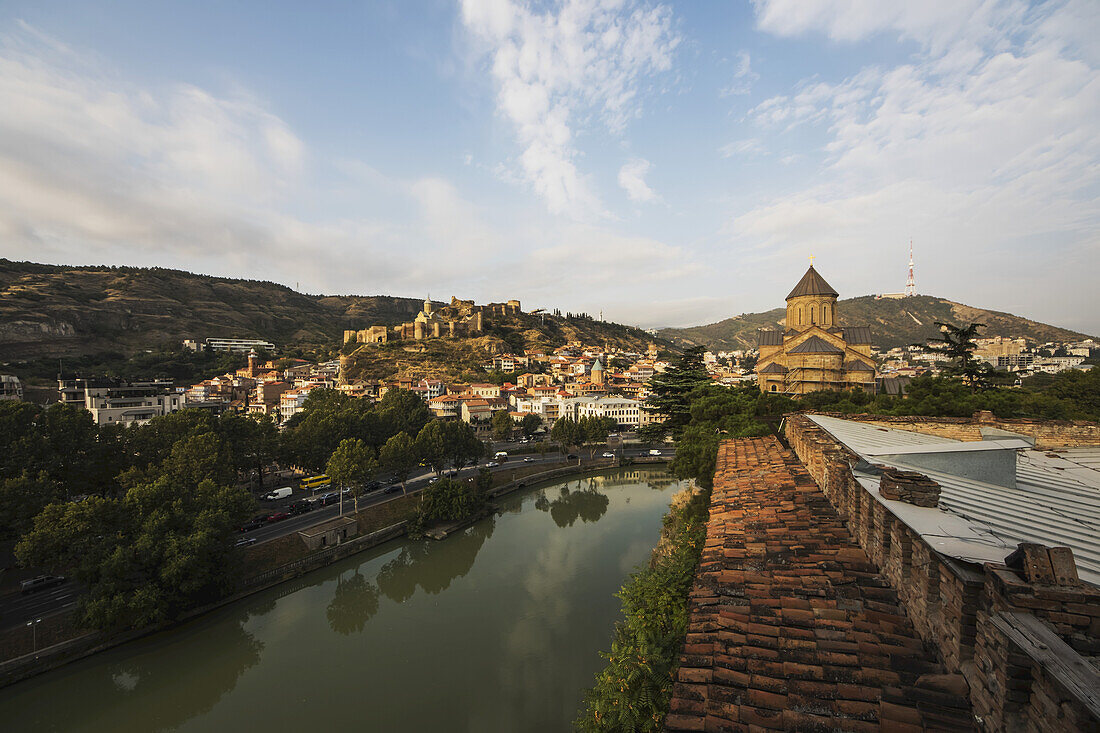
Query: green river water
{"type": "Point", "coordinates": [497, 628]}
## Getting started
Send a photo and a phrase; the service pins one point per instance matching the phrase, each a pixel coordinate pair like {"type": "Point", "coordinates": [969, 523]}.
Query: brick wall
{"type": "Point", "coordinates": [955, 606]}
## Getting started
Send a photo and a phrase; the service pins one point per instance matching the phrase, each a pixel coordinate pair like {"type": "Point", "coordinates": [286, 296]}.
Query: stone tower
{"type": "Point", "coordinates": [811, 303]}
{"type": "Point", "coordinates": [597, 372]}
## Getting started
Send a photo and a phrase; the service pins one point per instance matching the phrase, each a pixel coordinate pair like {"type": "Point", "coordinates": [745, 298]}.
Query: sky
{"type": "Point", "coordinates": [664, 164]}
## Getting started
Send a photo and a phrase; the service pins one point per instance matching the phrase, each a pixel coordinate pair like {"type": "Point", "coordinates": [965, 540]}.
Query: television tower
{"type": "Point", "coordinates": [910, 284]}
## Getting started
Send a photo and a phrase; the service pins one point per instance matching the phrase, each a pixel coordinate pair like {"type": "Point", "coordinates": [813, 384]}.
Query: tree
{"type": "Point", "coordinates": [400, 457]}
{"type": "Point", "coordinates": [595, 431]}
{"type": "Point", "coordinates": [351, 466]}
{"type": "Point", "coordinates": [166, 546]}
{"type": "Point", "coordinates": [403, 411]}
{"type": "Point", "coordinates": [22, 498]}
{"type": "Point", "coordinates": [503, 425]}
{"type": "Point", "coordinates": [957, 344]}
{"type": "Point", "coordinates": [530, 424]}
{"type": "Point", "coordinates": [431, 445]}
{"type": "Point", "coordinates": [252, 442]}
{"type": "Point", "coordinates": [353, 604]}
{"type": "Point", "coordinates": [670, 394]}
{"type": "Point", "coordinates": [462, 444]}
{"type": "Point", "coordinates": [566, 433]}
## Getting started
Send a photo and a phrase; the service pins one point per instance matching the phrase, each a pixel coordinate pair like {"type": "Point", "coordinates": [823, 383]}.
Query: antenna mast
{"type": "Point", "coordinates": [910, 284]}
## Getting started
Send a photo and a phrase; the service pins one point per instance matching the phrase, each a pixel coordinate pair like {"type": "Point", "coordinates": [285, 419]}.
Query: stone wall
{"type": "Point", "coordinates": [1047, 433]}
{"type": "Point", "coordinates": [960, 609]}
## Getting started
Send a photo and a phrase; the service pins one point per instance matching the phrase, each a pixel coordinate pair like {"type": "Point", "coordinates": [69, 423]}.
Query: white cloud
{"type": "Point", "coordinates": [632, 179]}
{"type": "Point", "coordinates": [743, 78]}
{"type": "Point", "coordinates": [984, 156]}
{"type": "Point", "coordinates": [555, 69]}
{"type": "Point", "coordinates": [748, 146]}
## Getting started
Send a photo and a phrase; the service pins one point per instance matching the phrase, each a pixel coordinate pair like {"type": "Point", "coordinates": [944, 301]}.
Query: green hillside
{"type": "Point", "coordinates": [893, 322]}
{"type": "Point", "coordinates": [50, 311]}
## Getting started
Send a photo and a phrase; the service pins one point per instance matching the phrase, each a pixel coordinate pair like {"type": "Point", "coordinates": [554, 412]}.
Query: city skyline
{"type": "Point", "coordinates": [667, 164]}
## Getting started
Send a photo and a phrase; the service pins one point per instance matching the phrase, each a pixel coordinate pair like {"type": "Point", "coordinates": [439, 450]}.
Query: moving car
{"type": "Point", "coordinates": [392, 490]}
{"type": "Point", "coordinates": [654, 452]}
{"type": "Point", "coordinates": [40, 582]}
{"type": "Point", "coordinates": [571, 457]}
{"type": "Point", "coordinates": [607, 454]}
{"type": "Point", "coordinates": [251, 524]}
{"type": "Point", "coordinates": [301, 506]}
{"type": "Point", "coordinates": [330, 498]}
{"type": "Point", "coordinates": [492, 464]}
{"type": "Point", "coordinates": [277, 517]}
{"type": "Point", "coordinates": [245, 542]}
{"type": "Point", "coordinates": [277, 494]}
{"type": "Point", "coordinates": [528, 459]}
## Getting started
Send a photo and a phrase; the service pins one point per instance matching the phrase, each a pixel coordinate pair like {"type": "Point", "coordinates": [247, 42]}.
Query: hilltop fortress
{"type": "Point", "coordinates": [461, 318]}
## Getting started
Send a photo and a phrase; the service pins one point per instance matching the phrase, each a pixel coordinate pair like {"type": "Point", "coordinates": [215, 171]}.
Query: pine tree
{"type": "Point", "coordinates": [670, 394]}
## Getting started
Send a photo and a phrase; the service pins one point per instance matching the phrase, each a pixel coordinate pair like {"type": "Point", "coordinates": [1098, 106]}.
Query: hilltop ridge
{"type": "Point", "coordinates": [893, 322]}
{"type": "Point", "coordinates": [51, 311]}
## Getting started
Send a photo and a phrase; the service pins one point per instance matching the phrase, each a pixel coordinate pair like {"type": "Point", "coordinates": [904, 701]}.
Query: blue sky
{"type": "Point", "coordinates": [665, 163]}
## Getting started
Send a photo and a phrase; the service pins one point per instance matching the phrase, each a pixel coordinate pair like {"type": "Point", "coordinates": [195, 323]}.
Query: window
{"type": "Point", "coordinates": [773, 388]}
{"type": "Point", "coordinates": [813, 314]}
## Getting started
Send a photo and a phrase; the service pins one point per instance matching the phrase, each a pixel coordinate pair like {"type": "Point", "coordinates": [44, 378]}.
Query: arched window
{"type": "Point", "coordinates": [825, 312]}
{"type": "Point", "coordinates": [813, 314]}
{"type": "Point", "coordinates": [773, 388]}
{"type": "Point", "coordinates": [800, 315]}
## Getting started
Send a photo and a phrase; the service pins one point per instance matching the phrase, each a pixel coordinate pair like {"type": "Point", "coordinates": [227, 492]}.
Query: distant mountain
{"type": "Point", "coordinates": [50, 311]}
{"type": "Point", "coordinates": [893, 322]}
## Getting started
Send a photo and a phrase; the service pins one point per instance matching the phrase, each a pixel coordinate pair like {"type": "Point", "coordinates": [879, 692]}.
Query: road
{"type": "Point", "coordinates": [17, 609]}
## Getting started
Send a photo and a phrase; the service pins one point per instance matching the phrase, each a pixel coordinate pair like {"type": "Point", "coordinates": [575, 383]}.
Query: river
{"type": "Point", "coordinates": [496, 628]}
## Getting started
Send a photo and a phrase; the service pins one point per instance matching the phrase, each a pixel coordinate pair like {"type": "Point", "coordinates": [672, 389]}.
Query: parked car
{"type": "Point", "coordinates": [654, 452]}
{"type": "Point", "coordinates": [245, 542]}
{"type": "Point", "coordinates": [607, 454]}
{"type": "Point", "coordinates": [277, 517]}
{"type": "Point", "coordinates": [40, 582]}
{"type": "Point", "coordinates": [251, 524]}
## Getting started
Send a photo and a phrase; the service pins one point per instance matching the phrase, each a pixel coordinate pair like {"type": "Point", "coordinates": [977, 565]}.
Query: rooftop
{"type": "Point", "coordinates": [812, 284]}
{"type": "Point", "coordinates": [1052, 497]}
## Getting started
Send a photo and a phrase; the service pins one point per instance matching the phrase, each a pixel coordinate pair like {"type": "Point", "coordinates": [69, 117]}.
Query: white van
{"type": "Point", "coordinates": [277, 494]}
{"type": "Point", "coordinates": [500, 455]}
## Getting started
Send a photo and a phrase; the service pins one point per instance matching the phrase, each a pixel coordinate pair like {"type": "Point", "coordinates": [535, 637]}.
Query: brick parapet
{"type": "Point", "coordinates": [953, 605]}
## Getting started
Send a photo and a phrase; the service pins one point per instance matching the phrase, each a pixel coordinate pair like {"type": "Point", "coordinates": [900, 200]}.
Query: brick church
{"type": "Point", "coordinates": [813, 353]}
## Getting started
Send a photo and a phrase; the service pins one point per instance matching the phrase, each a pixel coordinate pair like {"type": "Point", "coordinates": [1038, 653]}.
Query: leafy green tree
{"type": "Point", "coordinates": [530, 424]}
{"type": "Point", "coordinates": [957, 344]}
{"type": "Point", "coordinates": [22, 498]}
{"type": "Point", "coordinates": [197, 458]}
{"type": "Point", "coordinates": [670, 394]}
{"type": "Point", "coordinates": [503, 425]}
{"type": "Point", "coordinates": [165, 547]}
{"type": "Point", "coordinates": [351, 466]}
{"type": "Point", "coordinates": [462, 446]}
{"type": "Point", "coordinates": [400, 457]}
{"type": "Point", "coordinates": [431, 445]}
{"type": "Point", "coordinates": [447, 500]}
{"type": "Point", "coordinates": [594, 432]}
{"type": "Point", "coordinates": [403, 412]}
{"type": "Point", "coordinates": [252, 442]}
{"type": "Point", "coordinates": [567, 433]}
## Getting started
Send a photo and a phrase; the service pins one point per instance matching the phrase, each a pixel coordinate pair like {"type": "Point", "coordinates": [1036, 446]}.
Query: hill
{"type": "Point", "coordinates": [53, 311]}
{"type": "Point", "coordinates": [893, 322]}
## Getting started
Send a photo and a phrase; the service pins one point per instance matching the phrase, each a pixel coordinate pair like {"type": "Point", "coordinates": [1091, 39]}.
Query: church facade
{"type": "Point", "coordinates": [813, 353]}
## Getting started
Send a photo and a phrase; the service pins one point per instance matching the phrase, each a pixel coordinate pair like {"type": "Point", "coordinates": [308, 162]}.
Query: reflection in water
{"type": "Point", "coordinates": [433, 564]}
{"type": "Point", "coordinates": [586, 504]}
{"type": "Point", "coordinates": [353, 604]}
{"type": "Point", "coordinates": [141, 688]}
{"type": "Point", "coordinates": [505, 635]}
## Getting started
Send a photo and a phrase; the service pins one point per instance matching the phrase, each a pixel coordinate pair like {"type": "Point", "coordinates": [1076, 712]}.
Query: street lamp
{"type": "Point", "coordinates": [34, 633]}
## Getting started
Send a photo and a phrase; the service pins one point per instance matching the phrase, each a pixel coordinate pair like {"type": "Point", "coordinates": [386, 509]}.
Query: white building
{"type": "Point", "coordinates": [10, 388]}
{"type": "Point", "coordinates": [114, 402]}
{"type": "Point", "coordinates": [243, 345]}
{"type": "Point", "coordinates": [625, 412]}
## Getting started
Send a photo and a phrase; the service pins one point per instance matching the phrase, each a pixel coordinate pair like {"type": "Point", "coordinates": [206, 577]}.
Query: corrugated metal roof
{"type": "Point", "coordinates": [774, 368]}
{"type": "Point", "coordinates": [767, 337]}
{"type": "Point", "coordinates": [857, 334]}
{"type": "Point", "coordinates": [1056, 500]}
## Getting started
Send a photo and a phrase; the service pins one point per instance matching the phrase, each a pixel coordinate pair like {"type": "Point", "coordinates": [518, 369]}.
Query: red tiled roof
{"type": "Point", "coordinates": [791, 627]}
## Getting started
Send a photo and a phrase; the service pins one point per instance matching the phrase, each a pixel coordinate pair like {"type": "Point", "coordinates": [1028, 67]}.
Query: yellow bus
{"type": "Point", "coordinates": [315, 482]}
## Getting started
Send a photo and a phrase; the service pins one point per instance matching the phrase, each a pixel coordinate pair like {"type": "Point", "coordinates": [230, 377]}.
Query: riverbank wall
{"type": "Point", "coordinates": [82, 645]}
